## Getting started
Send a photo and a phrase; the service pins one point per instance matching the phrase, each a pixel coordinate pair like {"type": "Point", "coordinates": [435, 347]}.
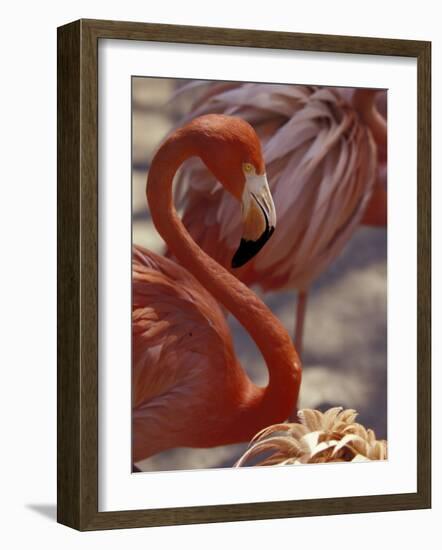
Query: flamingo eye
{"type": "Point", "coordinates": [248, 168]}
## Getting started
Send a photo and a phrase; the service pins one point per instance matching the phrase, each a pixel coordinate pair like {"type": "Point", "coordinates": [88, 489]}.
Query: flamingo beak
{"type": "Point", "coordinates": [259, 218]}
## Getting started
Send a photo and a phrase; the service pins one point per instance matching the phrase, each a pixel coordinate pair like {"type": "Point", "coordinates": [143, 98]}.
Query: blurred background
{"type": "Point", "coordinates": [345, 332]}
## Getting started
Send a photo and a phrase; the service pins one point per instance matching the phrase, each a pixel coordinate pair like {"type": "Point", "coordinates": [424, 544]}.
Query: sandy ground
{"type": "Point", "coordinates": [345, 342]}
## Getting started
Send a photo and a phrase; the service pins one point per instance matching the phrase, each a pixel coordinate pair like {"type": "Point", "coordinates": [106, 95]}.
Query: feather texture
{"type": "Point", "coordinates": [321, 163]}
{"type": "Point", "coordinates": [182, 355]}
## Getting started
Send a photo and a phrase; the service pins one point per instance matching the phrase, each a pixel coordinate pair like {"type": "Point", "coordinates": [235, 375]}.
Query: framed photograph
{"type": "Point", "coordinates": [243, 275]}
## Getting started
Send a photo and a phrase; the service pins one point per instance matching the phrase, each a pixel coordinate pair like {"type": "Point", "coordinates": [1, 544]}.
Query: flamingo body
{"type": "Point", "coordinates": [187, 383]}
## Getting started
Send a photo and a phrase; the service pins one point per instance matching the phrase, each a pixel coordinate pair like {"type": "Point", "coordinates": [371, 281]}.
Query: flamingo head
{"type": "Point", "coordinates": [231, 150]}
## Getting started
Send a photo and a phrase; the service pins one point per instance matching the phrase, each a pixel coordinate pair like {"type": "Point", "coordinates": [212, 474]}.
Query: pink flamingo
{"type": "Point", "coordinates": [188, 387]}
{"type": "Point", "coordinates": [320, 148]}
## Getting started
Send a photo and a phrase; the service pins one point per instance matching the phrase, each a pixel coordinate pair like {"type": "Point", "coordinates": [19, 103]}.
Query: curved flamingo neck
{"type": "Point", "coordinates": [263, 406]}
{"type": "Point", "coordinates": [364, 103]}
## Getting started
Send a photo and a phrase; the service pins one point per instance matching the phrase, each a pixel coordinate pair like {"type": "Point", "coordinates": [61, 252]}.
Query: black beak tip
{"type": "Point", "coordinates": [248, 249]}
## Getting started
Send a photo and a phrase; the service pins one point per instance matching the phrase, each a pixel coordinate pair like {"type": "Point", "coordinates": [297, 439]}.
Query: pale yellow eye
{"type": "Point", "coordinates": [248, 168]}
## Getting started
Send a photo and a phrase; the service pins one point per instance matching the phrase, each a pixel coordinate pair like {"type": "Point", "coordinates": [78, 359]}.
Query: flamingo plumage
{"type": "Point", "coordinates": [321, 149]}
{"type": "Point", "coordinates": [189, 389]}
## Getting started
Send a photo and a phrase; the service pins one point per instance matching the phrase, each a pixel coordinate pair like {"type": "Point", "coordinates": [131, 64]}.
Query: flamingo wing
{"type": "Point", "coordinates": [182, 349]}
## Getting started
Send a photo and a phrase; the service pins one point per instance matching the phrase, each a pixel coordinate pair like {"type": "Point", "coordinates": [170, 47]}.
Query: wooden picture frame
{"type": "Point", "coordinates": [77, 462]}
